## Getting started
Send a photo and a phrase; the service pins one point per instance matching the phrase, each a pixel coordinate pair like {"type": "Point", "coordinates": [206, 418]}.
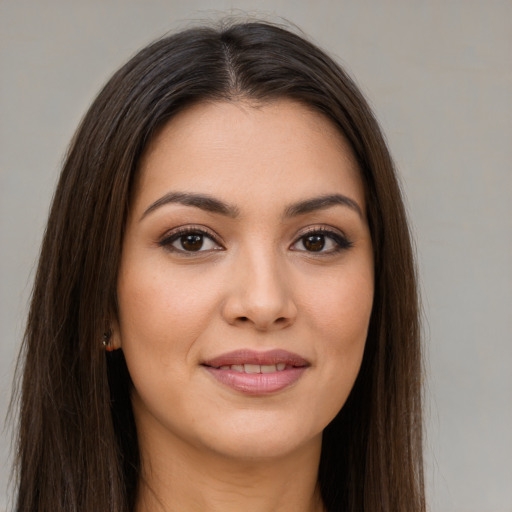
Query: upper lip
{"type": "Point", "coordinates": [247, 356]}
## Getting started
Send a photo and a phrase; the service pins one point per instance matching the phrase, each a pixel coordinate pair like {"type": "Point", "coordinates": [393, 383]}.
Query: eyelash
{"type": "Point", "coordinates": [168, 239]}
{"type": "Point", "coordinates": [341, 241]}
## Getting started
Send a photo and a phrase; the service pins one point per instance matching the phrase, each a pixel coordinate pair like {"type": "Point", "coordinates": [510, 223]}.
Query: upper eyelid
{"type": "Point", "coordinates": [324, 229]}
{"type": "Point", "coordinates": [190, 228]}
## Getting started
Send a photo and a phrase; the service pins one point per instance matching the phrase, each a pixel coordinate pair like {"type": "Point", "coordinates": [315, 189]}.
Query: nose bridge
{"type": "Point", "coordinates": [260, 294]}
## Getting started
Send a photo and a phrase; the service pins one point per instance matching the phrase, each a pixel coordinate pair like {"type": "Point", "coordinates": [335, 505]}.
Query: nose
{"type": "Point", "coordinates": [259, 294]}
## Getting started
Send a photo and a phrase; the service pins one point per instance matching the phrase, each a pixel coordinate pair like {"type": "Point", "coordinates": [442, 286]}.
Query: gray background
{"type": "Point", "coordinates": [438, 74]}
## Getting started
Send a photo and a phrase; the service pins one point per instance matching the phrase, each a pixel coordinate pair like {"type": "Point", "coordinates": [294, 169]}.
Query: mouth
{"type": "Point", "coordinates": [257, 373]}
{"type": "Point", "coordinates": [254, 368]}
{"type": "Point", "coordinates": [252, 358]}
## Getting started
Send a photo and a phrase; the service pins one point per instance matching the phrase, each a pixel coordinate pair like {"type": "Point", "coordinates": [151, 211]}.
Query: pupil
{"type": "Point", "coordinates": [192, 242]}
{"type": "Point", "coordinates": [314, 242]}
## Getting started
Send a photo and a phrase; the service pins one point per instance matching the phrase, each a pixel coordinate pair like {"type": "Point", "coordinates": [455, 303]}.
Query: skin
{"type": "Point", "coordinates": [255, 284]}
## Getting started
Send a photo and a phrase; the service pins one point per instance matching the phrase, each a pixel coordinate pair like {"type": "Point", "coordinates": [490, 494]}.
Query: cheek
{"type": "Point", "coordinates": [341, 307]}
{"type": "Point", "coordinates": [162, 311]}
{"type": "Point", "coordinates": [339, 316]}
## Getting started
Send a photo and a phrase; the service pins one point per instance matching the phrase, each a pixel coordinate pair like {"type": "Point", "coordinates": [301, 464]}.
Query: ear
{"type": "Point", "coordinates": [114, 341]}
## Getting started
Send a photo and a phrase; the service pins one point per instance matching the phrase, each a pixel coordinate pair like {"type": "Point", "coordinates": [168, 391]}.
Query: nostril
{"type": "Point", "coordinates": [281, 320]}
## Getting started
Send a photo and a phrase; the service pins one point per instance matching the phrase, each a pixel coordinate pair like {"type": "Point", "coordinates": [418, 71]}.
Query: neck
{"type": "Point", "coordinates": [193, 479]}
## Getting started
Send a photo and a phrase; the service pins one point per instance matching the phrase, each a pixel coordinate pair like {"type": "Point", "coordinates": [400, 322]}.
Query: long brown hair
{"type": "Point", "coordinates": [77, 442]}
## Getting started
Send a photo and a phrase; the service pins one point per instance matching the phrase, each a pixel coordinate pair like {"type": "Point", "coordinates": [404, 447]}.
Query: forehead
{"type": "Point", "coordinates": [249, 151]}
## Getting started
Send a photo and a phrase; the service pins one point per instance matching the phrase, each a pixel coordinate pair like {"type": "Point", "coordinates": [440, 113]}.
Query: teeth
{"type": "Point", "coordinates": [255, 368]}
{"type": "Point", "coordinates": [252, 368]}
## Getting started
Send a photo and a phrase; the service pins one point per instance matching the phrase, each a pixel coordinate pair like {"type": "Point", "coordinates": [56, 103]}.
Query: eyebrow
{"type": "Point", "coordinates": [210, 204]}
{"type": "Point", "coordinates": [321, 203]}
{"type": "Point", "coordinates": [202, 201]}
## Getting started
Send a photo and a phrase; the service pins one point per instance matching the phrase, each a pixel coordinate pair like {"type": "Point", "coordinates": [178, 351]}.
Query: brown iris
{"type": "Point", "coordinates": [314, 243]}
{"type": "Point", "coordinates": [192, 242]}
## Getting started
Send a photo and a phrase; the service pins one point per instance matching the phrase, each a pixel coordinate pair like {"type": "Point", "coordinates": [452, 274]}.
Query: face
{"type": "Point", "coordinates": [246, 282]}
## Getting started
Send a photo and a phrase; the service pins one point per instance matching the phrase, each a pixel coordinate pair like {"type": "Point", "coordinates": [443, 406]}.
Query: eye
{"type": "Point", "coordinates": [322, 241]}
{"type": "Point", "coordinates": [190, 240]}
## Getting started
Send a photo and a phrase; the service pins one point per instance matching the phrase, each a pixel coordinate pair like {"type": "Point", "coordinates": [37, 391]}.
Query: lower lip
{"type": "Point", "coordinates": [257, 383]}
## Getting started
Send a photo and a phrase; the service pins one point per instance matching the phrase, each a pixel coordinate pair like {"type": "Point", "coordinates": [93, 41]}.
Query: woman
{"type": "Point", "coordinates": [225, 313]}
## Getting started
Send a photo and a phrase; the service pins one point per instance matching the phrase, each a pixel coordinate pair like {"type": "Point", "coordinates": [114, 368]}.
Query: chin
{"type": "Point", "coordinates": [260, 436]}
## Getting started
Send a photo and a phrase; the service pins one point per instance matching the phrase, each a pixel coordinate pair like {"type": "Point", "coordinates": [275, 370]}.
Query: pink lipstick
{"type": "Point", "coordinates": [257, 373]}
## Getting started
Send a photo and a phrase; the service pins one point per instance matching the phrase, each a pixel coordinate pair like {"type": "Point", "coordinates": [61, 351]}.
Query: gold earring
{"type": "Point", "coordinates": [106, 341]}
